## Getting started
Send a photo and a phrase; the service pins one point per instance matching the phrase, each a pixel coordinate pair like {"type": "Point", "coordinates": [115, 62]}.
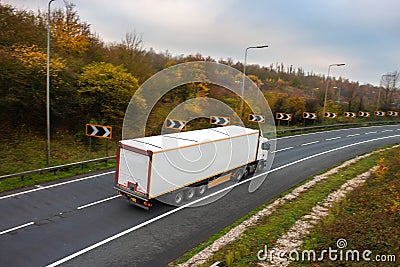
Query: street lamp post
{"type": "Point", "coordinates": [244, 73]}
{"type": "Point", "coordinates": [48, 87]}
{"type": "Point", "coordinates": [327, 86]}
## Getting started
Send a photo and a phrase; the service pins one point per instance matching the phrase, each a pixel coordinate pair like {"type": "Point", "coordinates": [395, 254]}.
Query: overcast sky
{"type": "Point", "coordinates": [310, 34]}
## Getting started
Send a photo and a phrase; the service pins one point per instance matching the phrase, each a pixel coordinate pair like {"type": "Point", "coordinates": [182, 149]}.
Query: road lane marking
{"type": "Point", "coordinates": [55, 185]}
{"type": "Point", "coordinates": [97, 202]}
{"type": "Point", "coordinates": [306, 144]}
{"type": "Point", "coordinates": [333, 138]}
{"type": "Point", "coordinates": [371, 132]}
{"type": "Point", "coordinates": [283, 149]}
{"type": "Point", "coordinates": [387, 131]}
{"type": "Point", "coordinates": [93, 176]}
{"type": "Point", "coordinates": [16, 228]}
{"type": "Point", "coordinates": [351, 135]}
{"type": "Point", "coordinates": [129, 230]}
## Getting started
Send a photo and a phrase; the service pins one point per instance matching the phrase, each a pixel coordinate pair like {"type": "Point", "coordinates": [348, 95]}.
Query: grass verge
{"type": "Point", "coordinates": [243, 251]}
{"type": "Point", "coordinates": [368, 219]}
{"type": "Point", "coordinates": [28, 152]}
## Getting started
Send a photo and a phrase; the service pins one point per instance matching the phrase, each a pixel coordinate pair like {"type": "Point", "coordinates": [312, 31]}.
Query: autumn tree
{"type": "Point", "coordinates": [105, 91]}
{"type": "Point", "coordinates": [23, 83]}
{"type": "Point", "coordinates": [70, 34]}
{"type": "Point", "coordinates": [389, 82]}
{"type": "Point", "coordinates": [20, 27]}
{"type": "Point", "coordinates": [130, 53]}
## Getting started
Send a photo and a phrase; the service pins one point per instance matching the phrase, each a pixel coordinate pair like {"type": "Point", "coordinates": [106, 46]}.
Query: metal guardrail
{"type": "Point", "coordinates": [54, 168]}
{"type": "Point", "coordinates": [335, 125]}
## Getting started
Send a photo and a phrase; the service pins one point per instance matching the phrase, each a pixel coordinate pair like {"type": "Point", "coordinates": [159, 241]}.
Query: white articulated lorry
{"type": "Point", "coordinates": [182, 165]}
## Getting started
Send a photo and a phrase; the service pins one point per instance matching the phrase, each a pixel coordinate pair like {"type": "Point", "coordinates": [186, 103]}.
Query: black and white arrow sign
{"type": "Point", "coordinates": [379, 113]}
{"type": "Point", "coordinates": [393, 113]}
{"type": "Point", "coordinates": [99, 131]}
{"type": "Point", "coordinates": [349, 114]}
{"type": "Point", "coordinates": [364, 114]}
{"type": "Point", "coordinates": [220, 120]}
{"type": "Point", "coordinates": [310, 115]}
{"type": "Point", "coordinates": [283, 116]}
{"type": "Point", "coordinates": [256, 118]}
{"type": "Point", "coordinates": [331, 115]}
{"type": "Point", "coordinates": [176, 124]}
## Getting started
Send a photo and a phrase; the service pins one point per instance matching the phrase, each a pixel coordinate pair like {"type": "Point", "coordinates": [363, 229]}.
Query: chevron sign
{"type": "Point", "coordinates": [349, 114]}
{"type": "Point", "coordinates": [283, 116]}
{"type": "Point", "coordinates": [176, 124]}
{"type": "Point", "coordinates": [364, 114]}
{"type": "Point", "coordinates": [392, 113]}
{"type": "Point", "coordinates": [310, 115]}
{"type": "Point", "coordinates": [331, 115]}
{"type": "Point", "coordinates": [220, 120]}
{"type": "Point", "coordinates": [256, 118]}
{"type": "Point", "coordinates": [99, 131]}
{"type": "Point", "coordinates": [379, 113]}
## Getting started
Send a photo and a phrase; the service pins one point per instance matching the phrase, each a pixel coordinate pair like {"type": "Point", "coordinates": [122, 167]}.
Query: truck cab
{"type": "Point", "coordinates": [263, 148]}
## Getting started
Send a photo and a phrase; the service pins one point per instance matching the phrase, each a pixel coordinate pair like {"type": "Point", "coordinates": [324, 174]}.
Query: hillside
{"type": "Point", "coordinates": [92, 81]}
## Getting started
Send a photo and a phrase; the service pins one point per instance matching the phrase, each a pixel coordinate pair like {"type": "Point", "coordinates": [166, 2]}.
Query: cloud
{"type": "Point", "coordinates": [310, 33]}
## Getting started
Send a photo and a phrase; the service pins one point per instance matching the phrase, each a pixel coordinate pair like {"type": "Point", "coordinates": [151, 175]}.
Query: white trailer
{"type": "Point", "coordinates": [181, 165]}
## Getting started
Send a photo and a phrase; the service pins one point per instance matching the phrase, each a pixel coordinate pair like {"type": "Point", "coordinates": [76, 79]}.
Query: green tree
{"type": "Point", "coordinates": [105, 91]}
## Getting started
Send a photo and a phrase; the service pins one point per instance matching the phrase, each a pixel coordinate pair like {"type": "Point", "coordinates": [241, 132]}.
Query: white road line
{"type": "Point", "coordinates": [387, 131]}
{"type": "Point", "coordinates": [127, 231]}
{"type": "Point", "coordinates": [371, 132]}
{"type": "Point", "coordinates": [97, 202]}
{"type": "Point", "coordinates": [55, 185]}
{"type": "Point", "coordinates": [351, 135]}
{"type": "Point", "coordinates": [306, 144]}
{"type": "Point", "coordinates": [16, 228]}
{"type": "Point", "coordinates": [283, 149]}
{"type": "Point", "coordinates": [93, 176]}
{"type": "Point", "coordinates": [333, 138]}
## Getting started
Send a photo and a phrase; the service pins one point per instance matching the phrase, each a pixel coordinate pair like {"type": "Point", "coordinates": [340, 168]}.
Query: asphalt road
{"type": "Point", "coordinates": [83, 223]}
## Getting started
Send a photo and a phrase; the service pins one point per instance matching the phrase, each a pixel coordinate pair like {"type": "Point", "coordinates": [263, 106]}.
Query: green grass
{"type": "Point", "coordinates": [28, 152]}
{"type": "Point", "coordinates": [368, 218]}
{"type": "Point", "coordinates": [243, 251]}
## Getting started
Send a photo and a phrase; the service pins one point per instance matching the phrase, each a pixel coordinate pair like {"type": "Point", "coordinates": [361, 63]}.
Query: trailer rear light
{"type": "Point", "coordinates": [133, 199]}
{"type": "Point", "coordinates": [147, 204]}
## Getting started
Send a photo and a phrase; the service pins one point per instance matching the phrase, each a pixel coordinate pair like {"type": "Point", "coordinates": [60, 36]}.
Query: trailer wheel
{"type": "Point", "coordinates": [177, 197]}
{"type": "Point", "coordinates": [201, 190]}
{"type": "Point", "coordinates": [190, 192]}
{"type": "Point", "coordinates": [237, 175]}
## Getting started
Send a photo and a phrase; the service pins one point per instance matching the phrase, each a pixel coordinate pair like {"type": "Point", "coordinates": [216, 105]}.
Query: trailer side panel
{"type": "Point", "coordinates": [176, 168]}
